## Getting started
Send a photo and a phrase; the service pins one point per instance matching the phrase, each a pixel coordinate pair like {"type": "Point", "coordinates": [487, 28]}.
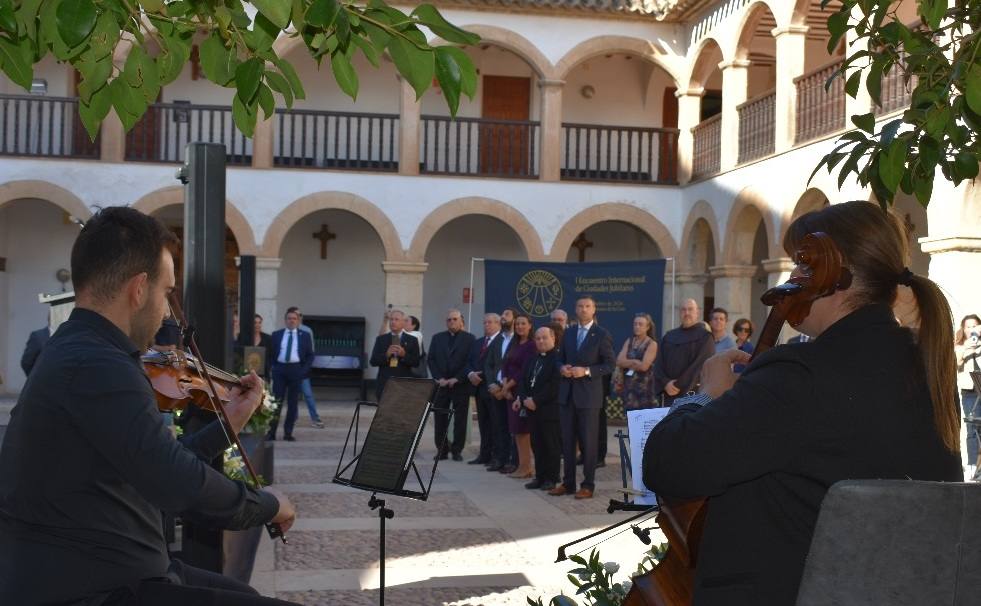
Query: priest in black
{"type": "Point", "coordinates": [682, 351]}
{"type": "Point", "coordinates": [538, 394]}
{"type": "Point", "coordinates": [447, 359]}
{"type": "Point", "coordinates": [395, 353]}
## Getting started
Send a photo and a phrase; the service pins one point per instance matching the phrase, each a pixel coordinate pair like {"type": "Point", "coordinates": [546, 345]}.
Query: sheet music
{"type": "Point", "coordinates": [639, 426]}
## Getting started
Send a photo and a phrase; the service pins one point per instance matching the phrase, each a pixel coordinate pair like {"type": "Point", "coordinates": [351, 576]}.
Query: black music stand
{"type": "Point", "coordinates": [386, 457]}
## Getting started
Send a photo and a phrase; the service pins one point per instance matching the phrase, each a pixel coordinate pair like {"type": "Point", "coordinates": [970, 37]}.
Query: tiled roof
{"type": "Point", "coordinates": [650, 8]}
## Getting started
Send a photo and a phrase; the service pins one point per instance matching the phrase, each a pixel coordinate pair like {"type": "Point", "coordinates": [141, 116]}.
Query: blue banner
{"type": "Point", "coordinates": [621, 289]}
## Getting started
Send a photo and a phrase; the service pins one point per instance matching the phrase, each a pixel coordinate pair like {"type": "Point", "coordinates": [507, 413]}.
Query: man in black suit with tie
{"type": "Point", "coordinates": [585, 358]}
{"type": "Point", "coordinates": [32, 350]}
{"type": "Point", "coordinates": [475, 374]}
{"type": "Point", "coordinates": [493, 367]}
{"type": "Point", "coordinates": [447, 358]}
{"type": "Point", "coordinates": [395, 353]}
{"type": "Point", "coordinates": [292, 357]}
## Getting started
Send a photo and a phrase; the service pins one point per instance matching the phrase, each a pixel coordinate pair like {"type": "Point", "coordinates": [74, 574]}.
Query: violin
{"type": "Point", "coordinates": [819, 272]}
{"type": "Point", "coordinates": [179, 379]}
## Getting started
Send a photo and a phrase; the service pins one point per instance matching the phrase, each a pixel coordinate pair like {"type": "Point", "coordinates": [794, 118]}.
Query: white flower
{"type": "Point", "coordinates": [611, 567]}
{"type": "Point", "coordinates": [627, 585]}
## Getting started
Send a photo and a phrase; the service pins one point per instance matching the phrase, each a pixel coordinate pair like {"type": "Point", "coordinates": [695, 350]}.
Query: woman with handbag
{"type": "Point", "coordinates": [633, 380]}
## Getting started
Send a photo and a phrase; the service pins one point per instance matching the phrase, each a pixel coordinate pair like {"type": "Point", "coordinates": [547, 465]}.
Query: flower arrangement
{"type": "Point", "coordinates": [258, 423]}
{"type": "Point", "coordinates": [234, 468]}
{"type": "Point", "coordinates": [593, 580]}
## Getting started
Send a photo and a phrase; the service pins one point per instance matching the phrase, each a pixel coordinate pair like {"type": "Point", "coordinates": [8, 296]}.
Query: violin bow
{"type": "Point", "coordinates": [274, 530]}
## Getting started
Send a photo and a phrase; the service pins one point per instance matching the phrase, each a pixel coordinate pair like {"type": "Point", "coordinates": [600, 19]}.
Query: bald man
{"type": "Point", "coordinates": [681, 353]}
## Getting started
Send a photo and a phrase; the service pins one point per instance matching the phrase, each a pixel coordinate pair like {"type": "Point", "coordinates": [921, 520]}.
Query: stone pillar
{"type": "Point", "coordinates": [262, 142]}
{"type": "Point", "coordinates": [777, 272]}
{"type": "Point", "coordinates": [689, 115]}
{"type": "Point", "coordinates": [410, 120]}
{"type": "Point", "coordinates": [267, 291]}
{"type": "Point", "coordinates": [690, 286]}
{"type": "Point", "coordinates": [954, 244]}
{"type": "Point", "coordinates": [112, 139]}
{"type": "Point", "coordinates": [735, 76]}
{"type": "Point", "coordinates": [551, 134]}
{"type": "Point", "coordinates": [403, 285]}
{"type": "Point", "coordinates": [790, 44]}
{"type": "Point", "coordinates": [734, 289]}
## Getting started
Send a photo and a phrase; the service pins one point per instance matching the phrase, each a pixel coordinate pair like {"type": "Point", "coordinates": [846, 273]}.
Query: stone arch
{"type": "Point", "coordinates": [701, 211]}
{"type": "Point", "coordinates": [747, 26]}
{"type": "Point", "coordinates": [475, 205]}
{"type": "Point", "coordinates": [700, 68]}
{"type": "Point", "coordinates": [599, 45]}
{"type": "Point", "coordinates": [332, 200]}
{"type": "Point", "coordinates": [749, 206]}
{"type": "Point", "coordinates": [612, 211]}
{"type": "Point", "coordinates": [798, 16]}
{"type": "Point", "coordinates": [514, 42]}
{"type": "Point", "coordinates": [174, 195]}
{"type": "Point", "coordinates": [814, 198]}
{"type": "Point", "coordinates": [43, 190]}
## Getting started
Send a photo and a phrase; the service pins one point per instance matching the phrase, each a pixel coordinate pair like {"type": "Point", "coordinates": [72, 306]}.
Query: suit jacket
{"type": "Point", "coordinates": [494, 359]}
{"type": "Point", "coordinates": [35, 342]}
{"type": "Point", "coordinates": [305, 349]}
{"type": "Point", "coordinates": [405, 364]}
{"type": "Point", "coordinates": [545, 391]}
{"type": "Point", "coordinates": [596, 354]}
{"type": "Point", "coordinates": [447, 362]}
{"type": "Point", "coordinates": [475, 361]}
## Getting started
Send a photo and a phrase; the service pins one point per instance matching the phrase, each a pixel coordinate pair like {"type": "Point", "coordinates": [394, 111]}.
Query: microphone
{"type": "Point", "coordinates": [644, 534]}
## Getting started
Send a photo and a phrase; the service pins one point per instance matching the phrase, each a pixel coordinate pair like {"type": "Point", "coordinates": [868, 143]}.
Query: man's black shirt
{"type": "Point", "coordinates": [88, 464]}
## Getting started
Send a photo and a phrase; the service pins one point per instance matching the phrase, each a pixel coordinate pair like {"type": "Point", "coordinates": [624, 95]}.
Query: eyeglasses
{"type": "Point", "coordinates": [743, 329]}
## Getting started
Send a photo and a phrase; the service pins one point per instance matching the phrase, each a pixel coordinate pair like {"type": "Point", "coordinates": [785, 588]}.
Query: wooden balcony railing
{"type": "Point", "coordinates": [345, 140]}
{"type": "Point", "coordinates": [476, 146]}
{"type": "Point", "coordinates": [166, 129]}
{"type": "Point", "coordinates": [895, 94]}
{"type": "Point", "coordinates": [592, 152]}
{"type": "Point", "coordinates": [756, 127]}
{"type": "Point", "coordinates": [32, 125]}
{"type": "Point", "coordinates": [819, 111]}
{"type": "Point", "coordinates": [707, 147]}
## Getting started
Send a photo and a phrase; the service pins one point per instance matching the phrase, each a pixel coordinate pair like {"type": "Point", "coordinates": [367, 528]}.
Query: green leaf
{"type": "Point", "coordinates": [76, 19]}
{"type": "Point", "coordinates": [17, 61]}
{"type": "Point", "coordinates": [378, 36]}
{"type": "Point", "coordinates": [8, 19]}
{"type": "Point", "coordinates": [966, 164]}
{"type": "Point", "coordinates": [448, 73]}
{"type": "Point", "coordinates": [27, 14]}
{"type": "Point", "coordinates": [837, 26]}
{"type": "Point", "coordinates": [892, 164]}
{"type": "Point", "coordinates": [342, 29]}
{"type": "Point", "coordinates": [279, 84]}
{"type": "Point", "coordinates": [851, 85]}
{"type": "Point", "coordinates": [217, 62]}
{"type": "Point", "coordinates": [263, 33]}
{"type": "Point", "coordinates": [347, 78]}
{"type": "Point", "coordinates": [873, 82]}
{"type": "Point", "coordinates": [933, 11]}
{"type": "Point", "coordinates": [277, 11]}
{"type": "Point", "coordinates": [266, 101]}
{"type": "Point", "coordinates": [322, 13]}
{"type": "Point", "coordinates": [95, 110]}
{"type": "Point", "coordinates": [889, 131]}
{"type": "Point", "coordinates": [291, 77]}
{"type": "Point", "coordinates": [431, 18]}
{"type": "Point", "coordinates": [865, 122]}
{"type": "Point", "coordinates": [49, 31]}
{"type": "Point", "coordinates": [95, 74]}
{"type": "Point", "coordinates": [128, 102]}
{"type": "Point", "coordinates": [141, 73]}
{"type": "Point", "coordinates": [937, 120]}
{"type": "Point", "coordinates": [248, 75]}
{"type": "Point", "coordinates": [851, 165]}
{"type": "Point", "coordinates": [923, 189]}
{"type": "Point", "coordinates": [105, 36]}
{"type": "Point", "coordinates": [972, 90]}
{"type": "Point", "coordinates": [244, 115]}
{"type": "Point", "coordinates": [929, 151]}
{"type": "Point", "coordinates": [468, 73]}
{"type": "Point", "coordinates": [415, 65]}
{"type": "Point", "coordinates": [370, 52]}
{"type": "Point", "coordinates": [174, 54]}
{"type": "Point", "coordinates": [152, 6]}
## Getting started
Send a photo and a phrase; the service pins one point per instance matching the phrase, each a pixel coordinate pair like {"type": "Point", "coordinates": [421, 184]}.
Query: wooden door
{"type": "Point", "coordinates": [505, 148]}
{"type": "Point", "coordinates": [142, 139]}
{"type": "Point", "coordinates": [667, 170]}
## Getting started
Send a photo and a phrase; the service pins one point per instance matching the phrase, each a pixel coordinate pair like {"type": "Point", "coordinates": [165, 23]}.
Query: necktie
{"type": "Point", "coordinates": [581, 337]}
{"type": "Point", "coordinates": [289, 348]}
{"type": "Point", "coordinates": [483, 348]}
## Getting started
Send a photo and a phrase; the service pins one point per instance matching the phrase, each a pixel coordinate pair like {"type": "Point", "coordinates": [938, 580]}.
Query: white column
{"type": "Point", "coordinates": [790, 47]}
{"type": "Point", "coordinates": [954, 244]}
{"type": "Point", "coordinates": [690, 286]}
{"type": "Point", "coordinates": [267, 291]}
{"type": "Point", "coordinates": [689, 114]}
{"type": "Point", "coordinates": [403, 285]}
{"type": "Point", "coordinates": [551, 129]}
{"type": "Point", "coordinates": [262, 142]}
{"type": "Point", "coordinates": [777, 272]}
{"type": "Point", "coordinates": [410, 120]}
{"type": "Point", "coordinates": [734, 289]}
{"type": "Point", "coordinates": [735, 76]}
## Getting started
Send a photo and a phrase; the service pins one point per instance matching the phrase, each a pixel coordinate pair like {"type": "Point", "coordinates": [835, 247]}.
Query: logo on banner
{"type": "Point", "coordinates": [538, 293]}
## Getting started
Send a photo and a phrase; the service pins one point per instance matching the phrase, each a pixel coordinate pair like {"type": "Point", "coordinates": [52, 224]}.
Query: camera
{"type": "Point", "coordinates": [974, 338]}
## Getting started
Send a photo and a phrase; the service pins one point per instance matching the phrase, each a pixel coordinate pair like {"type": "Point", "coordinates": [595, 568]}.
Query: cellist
{"type": "Point", "coordinates": [869, 397]}
{"type": "Point", "coordinates": [87, 463]}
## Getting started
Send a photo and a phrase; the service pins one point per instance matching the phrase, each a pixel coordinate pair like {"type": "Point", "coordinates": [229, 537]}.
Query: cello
{"type": "Point", "coordinates": [819, 272]}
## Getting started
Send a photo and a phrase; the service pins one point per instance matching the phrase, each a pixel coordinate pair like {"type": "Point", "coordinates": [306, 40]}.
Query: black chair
{"type": "Point", "coordinates": [895, 543]}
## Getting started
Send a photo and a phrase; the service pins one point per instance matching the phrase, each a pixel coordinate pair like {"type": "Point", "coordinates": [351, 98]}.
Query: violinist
{"type": "Point", "coordinates": [87, 464]}
{"type": "Point", "coordinates": [868, 397]}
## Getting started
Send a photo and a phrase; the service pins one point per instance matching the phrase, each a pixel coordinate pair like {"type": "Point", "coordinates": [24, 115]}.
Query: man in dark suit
{"type": "Point", "coordinates": [475, 374]}
{"type": "Point", "coordinates": [493, 365]}
{"type": "Point", "coordinates": [538, 393]}
{"type": "Point", "coordinates": [32, 350]}
{"type": "Point", "coordinates": [447, 359]}
{"type": "Point", "coordinates": [585, 358]}
{"type": "Point", "coordinates": [395, 353]}
{"type": "Point", "coordinates": [292, 357]}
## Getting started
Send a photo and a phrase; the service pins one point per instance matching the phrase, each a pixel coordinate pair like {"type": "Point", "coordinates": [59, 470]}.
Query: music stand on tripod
{"type": "Point", "coordinates": [386, 457]}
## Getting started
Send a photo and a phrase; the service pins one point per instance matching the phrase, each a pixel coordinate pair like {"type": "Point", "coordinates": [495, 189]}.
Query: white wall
{"type": "Point", "coordinates": [628, 92]}
{"type": "Point", "coordinates": [36, 241]}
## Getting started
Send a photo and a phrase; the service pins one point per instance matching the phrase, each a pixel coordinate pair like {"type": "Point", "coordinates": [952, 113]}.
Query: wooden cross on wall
{"type": "Point", "coordinates": [325, 236]}
{"type": "Point", "coordinates": [582, 243]}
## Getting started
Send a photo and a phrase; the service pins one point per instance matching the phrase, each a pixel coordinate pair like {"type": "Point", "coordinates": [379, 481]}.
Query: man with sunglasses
{"type": "Point", "coordinates": [448, 352]}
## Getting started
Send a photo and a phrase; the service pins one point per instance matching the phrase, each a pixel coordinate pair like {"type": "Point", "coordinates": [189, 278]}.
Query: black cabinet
{"type": "Point", "coordinates": [339, 351]}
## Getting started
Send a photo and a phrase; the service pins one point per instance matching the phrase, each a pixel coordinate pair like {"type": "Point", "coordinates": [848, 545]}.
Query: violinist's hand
{"type": "Point", "coordinates": [286, 514]}
{"type": "Point", "coordinates": [244, 400]}
{"type": "Point", "coordinates": [717, 375]}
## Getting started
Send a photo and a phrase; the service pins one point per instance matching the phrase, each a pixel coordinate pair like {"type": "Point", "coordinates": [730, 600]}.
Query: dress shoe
{"type": "Point", "coordinates": [442, 456]}
{"type": "Point", "coordinates": [520, 475]}
{"type": "Point", "coordinates": [289, 438]}
{"type": "Point", "coordinates": [478, 461]}
{"type": "Point", "coordinates": [559, 490]}
{"type": "Point", "coordinates": [495, 466]}
{"type": "Point", "coordinates": [270, 437]}
{"type": "Point", "coordinates": [318, 424]}
{"type": "Point", "coordinates": [584, 493]}
{"type": "Point", "coordinates": [457, 456]}
{"type": "Point", "coordinates": [507, 469]}
{"type": "Point", "coordinates": [534, 484]}
{"type": "Point", "coordinates": [546, 486]}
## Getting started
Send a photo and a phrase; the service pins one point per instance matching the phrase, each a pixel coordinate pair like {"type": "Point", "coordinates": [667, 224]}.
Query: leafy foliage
{"type": "Point", "coordinates": [236, 50]}
{"type": "Point", "coordinates": [938, 58]}
{"type": "Point", "coordinates": [593, 579]}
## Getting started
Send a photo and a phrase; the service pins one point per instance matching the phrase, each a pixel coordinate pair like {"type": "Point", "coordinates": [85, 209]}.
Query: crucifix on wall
{"type": "Point", "coordinates": [325, 236]}
{"type": "Point", "coordinates": [582, 243]}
